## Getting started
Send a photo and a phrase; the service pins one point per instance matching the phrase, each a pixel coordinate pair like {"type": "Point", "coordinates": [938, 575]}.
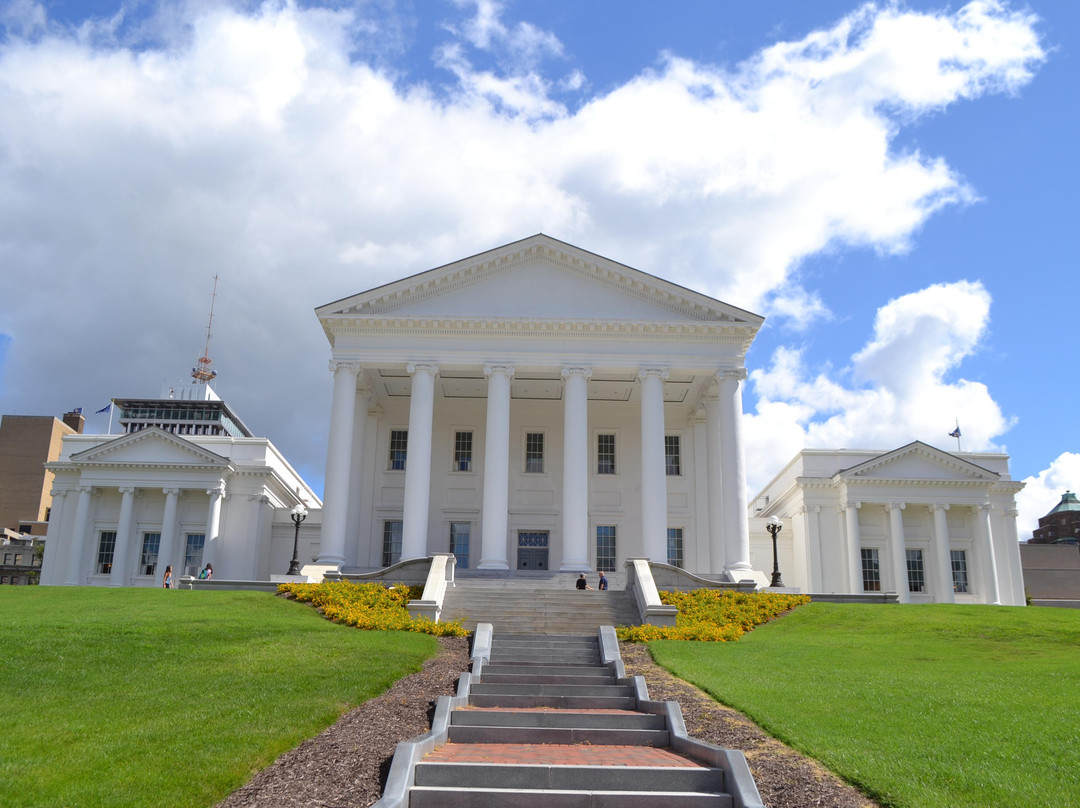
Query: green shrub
{"type": "Point", "coordinates": [370, 606]}
{"type": "Point", "coordinates": [714, 615]}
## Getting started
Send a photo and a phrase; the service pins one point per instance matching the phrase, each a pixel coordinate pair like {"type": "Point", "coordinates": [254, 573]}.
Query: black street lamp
{"type": "Point", "coordinates": [775, 526]}
{"type": "Point", "coordinates": [298, 514]}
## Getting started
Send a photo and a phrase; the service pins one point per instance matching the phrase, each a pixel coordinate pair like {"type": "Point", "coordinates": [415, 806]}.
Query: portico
{"type": "Point", "coordinates": [536, 398]}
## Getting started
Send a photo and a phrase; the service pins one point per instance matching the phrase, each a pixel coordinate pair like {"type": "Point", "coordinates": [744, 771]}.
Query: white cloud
{"type": "Point", "coordinates": [1043, 491]}
{"type": "Point", "coordinates": [277, 148]}
{"type": "Point", "coordinates": [897, 389]}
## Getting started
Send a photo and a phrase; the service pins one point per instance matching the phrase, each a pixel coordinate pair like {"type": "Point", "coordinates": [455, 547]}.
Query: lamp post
{"type": "Point", "coordinates": [775, 526]}
{"type": "Point", "coordinates": [298, 515]}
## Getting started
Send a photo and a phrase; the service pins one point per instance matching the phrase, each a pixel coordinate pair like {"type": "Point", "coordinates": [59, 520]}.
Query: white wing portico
{"type": "Point", "coordinates": [538, 397]}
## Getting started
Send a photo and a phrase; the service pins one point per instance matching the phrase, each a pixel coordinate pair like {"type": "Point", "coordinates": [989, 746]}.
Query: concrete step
{"type": "Point", "coordinates": [596, 736]}
{"type": "Point", "coordinates": [547, 670]}
{"type": "Point", "coordinates": [457, 797]}
{"type": "Point", "coordinates": [556, 718]}
{"type": "Point", "coordinates": [556, 702]}
{"type": "Point", "coordinates": [535, 689]}
{"type": "Point", "coordinates": [570, 778]}
{"type": "Point", "coordinates": [548, 679]}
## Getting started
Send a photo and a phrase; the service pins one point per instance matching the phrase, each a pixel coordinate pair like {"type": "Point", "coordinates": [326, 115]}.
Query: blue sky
{"type": "Point", "coordinates": [892, 185]}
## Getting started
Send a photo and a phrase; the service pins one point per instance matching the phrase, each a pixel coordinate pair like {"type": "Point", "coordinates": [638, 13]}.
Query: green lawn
{"type": "Point", "coordinates": [921, 706]}
{"type": "Point", "coordinates": [148, 697]}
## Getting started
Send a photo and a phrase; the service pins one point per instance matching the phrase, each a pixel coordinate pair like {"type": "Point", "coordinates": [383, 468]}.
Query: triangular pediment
{"type": "Point", "coordinates": [917, 461]}
{"type": "Point", "coordinates": [539, 277]}
{"type": "Point", "coordinates": [151, 446]}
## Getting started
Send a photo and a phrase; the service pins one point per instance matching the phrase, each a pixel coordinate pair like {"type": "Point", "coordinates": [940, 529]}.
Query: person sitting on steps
{"type": "Point", "coordinates": [582, 583]}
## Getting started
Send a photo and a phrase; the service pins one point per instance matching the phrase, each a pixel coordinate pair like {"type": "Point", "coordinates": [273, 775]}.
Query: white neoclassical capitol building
{"type": "Point", "coordinates": [540, 407]}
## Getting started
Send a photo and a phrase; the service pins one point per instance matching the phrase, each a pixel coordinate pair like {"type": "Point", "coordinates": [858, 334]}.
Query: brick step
{"type": "Point", "coordinates": [596, 736]}
{"type": "Point", "coordinates": [458, 797]}
{"type": "Point", "coordinates": [557, 718]}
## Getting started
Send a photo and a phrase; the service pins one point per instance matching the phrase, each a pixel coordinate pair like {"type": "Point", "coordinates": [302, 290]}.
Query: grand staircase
{"type": "Point", "coordinates": [545, 604]}
{"type": "Point", "coordinates": [547, 724]}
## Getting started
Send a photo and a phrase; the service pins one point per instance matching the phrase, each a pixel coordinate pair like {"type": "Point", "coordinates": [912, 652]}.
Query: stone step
{"type": "Point", "coordinates": [556, 702]}
{"type": "Point", "coordinates": [604, 677]}
{"type": "Point", "coordinates": [595, 736]}
{"type": "Point", "coordinates": [570, 777]}
{"type": "Point", "coordinates": [525, 657]}
{"type": "Point", "coordinates": [542, 641]}
{"type": "Point", "coordinates": [557, 718]}
{"type": "Point", "coordinates": [535, 689]}
{"type": "Point", "coordinates": [458, 797]}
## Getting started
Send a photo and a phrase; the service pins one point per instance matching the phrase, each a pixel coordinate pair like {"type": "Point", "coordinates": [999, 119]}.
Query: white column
{"type": "Point", "coordinates": [356, 470]}
{"type": "Point", "coordinates": [653, 474]}
{"type": "Point", "coordinates": [496, 469]}
{"type": "Point", "coordinates": [58, 520]}
{"type": "Point", "coordinates": [78, 537]}
{"type": "Point", "coordinates": [1015, 569]}
{"type": "Point", "coordinates": [698, 557]}
{"type": "Point", "coordinates": [717, 545]}
{"type": "Point", "coordinates": [168, 532]}
{"type": "Point", "coordinates": [944, 560]}
{"type": "Point", "coordinates": [854, 547]}
{"type": "Point", "coordinates": [213, 524]}
{"type": "Point", "coordinates": [414, 531]}
{"type": "Point", "coordinates": [124, 528]}
{"type": "Point", "coordinates": [337, 484]}
{"type": "Point", "coordinates": [986, 538]}
{"type": "Point", "coordinates": [733, 471]}
{"type": "Point", "coordinates": [575, 556]}
{"type": "Point", "coordinates": [897, 548]}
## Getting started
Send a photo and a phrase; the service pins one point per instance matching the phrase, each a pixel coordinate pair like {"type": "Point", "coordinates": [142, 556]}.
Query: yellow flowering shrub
{"type": "Point", "coordinates": [714, 615]}
{"type": "Point", "coordinates": [369, 606]}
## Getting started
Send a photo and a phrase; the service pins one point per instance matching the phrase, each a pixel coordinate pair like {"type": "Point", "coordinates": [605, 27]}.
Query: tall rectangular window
{"type": "Point", "coordinates": [674, 546]}
{"type": "Point", "coordinates": [672, 455]}
{"type": "Point", "coordinates": [605, 548]}
{"type": "Point", "coordinates": [459, 542]}
{"type": "Point", "coordinates": [959, 570]}
{"type": "Point", "coordinates": [605, 454]}
{"type": "Point", "coordinates": [916, 577]}
{"type": "Point", "coordinates": [399, 446]}
{"type": "Point", "coordinates": [193, 550]}
{"type": "Point", "coordinates": [149, 553]}
{"type": "Point", "coordinates": [391, 542]}
{"type": "Point", "coordinates": [871, 570]}
{"type": "Point", "coordinates": [534, 453]}
{"type": "Point", "coordinates": [463, 451]}
{"type": "Point", "coordinates": [106, 546]}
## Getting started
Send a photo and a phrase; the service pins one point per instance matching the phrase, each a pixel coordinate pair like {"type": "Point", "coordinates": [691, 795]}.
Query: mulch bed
{"type": "Point", "coordinates": [347, 764]}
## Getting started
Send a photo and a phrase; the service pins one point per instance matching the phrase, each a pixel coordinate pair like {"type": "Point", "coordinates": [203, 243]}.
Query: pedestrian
{"type": "Point", "coordinates": [166, 582]}
{"type": "Point", "coordinates": [581, 583]}
{"type": "Point", "coordinates": [603, 582]}
{"type": "Point", "coordinates": [207, 572]}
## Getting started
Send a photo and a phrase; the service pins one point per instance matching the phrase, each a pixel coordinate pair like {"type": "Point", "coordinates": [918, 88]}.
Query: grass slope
{"type": "Point", "coordinates": [922, 706]}
{"type": "Point", "coordinates": [147, 697]}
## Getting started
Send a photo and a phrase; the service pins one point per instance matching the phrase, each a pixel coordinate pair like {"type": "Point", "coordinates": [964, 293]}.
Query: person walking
{"type": "Point", "coordinates": [166, 582]}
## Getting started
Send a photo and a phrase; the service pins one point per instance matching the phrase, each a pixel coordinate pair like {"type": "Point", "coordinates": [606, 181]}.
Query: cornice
{"type": "Point", "coordinates": [913, 482]}
{"type": "Point", "coordinates": [939, 457]}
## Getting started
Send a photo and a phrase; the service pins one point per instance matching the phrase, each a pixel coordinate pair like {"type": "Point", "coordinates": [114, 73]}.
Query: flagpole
{"type": "Point", "coordinates": [112, 406]}
{"type": "Point", "coordinates": [957, 434]}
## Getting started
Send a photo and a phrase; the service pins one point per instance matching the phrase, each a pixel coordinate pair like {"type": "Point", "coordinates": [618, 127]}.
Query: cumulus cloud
{"type": "Point", "coordinates": [280, 147]}
{"type": "Point", "coordinates": [897, 388]}
{"type": "Point", "coordinates": [1043, 491]}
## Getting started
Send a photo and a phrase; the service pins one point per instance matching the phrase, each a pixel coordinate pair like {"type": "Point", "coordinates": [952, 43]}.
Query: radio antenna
{"type": "Point", "coordinates": [202, 373]}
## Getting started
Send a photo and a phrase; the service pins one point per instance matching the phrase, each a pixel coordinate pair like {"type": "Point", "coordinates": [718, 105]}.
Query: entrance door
{"type": "Point", "coordinates": [532, 550]}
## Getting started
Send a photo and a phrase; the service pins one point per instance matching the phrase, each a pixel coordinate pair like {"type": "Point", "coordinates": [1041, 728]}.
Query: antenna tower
{"type": "Point", "coordinates": [202, 373]}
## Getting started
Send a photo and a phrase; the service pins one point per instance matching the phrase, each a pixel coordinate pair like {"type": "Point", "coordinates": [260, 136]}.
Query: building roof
{"type": "Point", "coordinates": [1069, 502]}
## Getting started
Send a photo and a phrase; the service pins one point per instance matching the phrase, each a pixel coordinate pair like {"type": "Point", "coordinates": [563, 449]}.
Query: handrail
{"type": "Point", "coordinates": [639, 578]}
{"type": "Point", "coordinates": [440, 573]}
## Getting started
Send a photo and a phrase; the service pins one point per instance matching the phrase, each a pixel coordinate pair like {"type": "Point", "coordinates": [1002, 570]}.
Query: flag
{"type": "Point", "coordinates": [106, 408]}
{"type": "Point", "coordinates": [955, 433]}
{"type": "Point", "coordinates": [77, 410]}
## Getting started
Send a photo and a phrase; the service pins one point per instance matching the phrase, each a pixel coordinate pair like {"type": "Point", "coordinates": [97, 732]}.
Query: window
{"type": "Point", "coordinates": [459, 542]}
{"type": "Point", "coordinates": [7, 558]}
{"type": "Point", "coordinates": [149, 554]}
{"type": "Point", "coordinates": [534, 453]}
{"type": "Point", "coordinates": [106, 545]}
{"type": "Point", "coordinates": [605, 548]}
{"type": "Point", "coordinates": [463, 451]}
{"type": "Point", "coordinates": [674, 546]}
{"type": "Point", "coordinates": [916, 578]}
{"type": "Point", "coordinates": [193, 550]}
{"type": "Point", "coordinates": [672, 455]}
{"type": "Point", "coordinates": [391, 542]}
{"type": "Point", "coordinates": [959, 570]}
{"type": "Point", "coordinates": [399, 445]}
{"type": "Point", "coordinates": [18, 559]}
{"type": "Point", "coordinates": [605, 454]}
{"type": "Point", "coordinates": [871, 570]}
